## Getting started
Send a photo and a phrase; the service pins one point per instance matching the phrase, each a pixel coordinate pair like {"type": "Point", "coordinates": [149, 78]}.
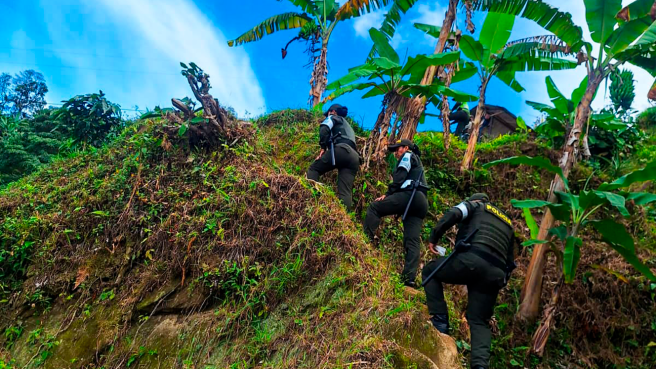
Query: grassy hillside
{"type": "Point", "coordinates": [144, 254]}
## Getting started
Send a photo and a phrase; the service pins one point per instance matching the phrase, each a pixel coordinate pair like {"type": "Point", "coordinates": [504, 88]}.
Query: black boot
{"type": "Point", "coordinates": [410, 284]}
{"type": "Point", "coordinates": [441, 322]}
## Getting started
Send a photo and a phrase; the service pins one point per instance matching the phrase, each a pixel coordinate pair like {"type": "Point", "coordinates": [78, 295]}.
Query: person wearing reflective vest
{"type": "Point", "coordinates": [395, 202]}
{"type": "Point", "coordinates": [484, 267]}
{"type": "Point", "coordinates": [338, 151]}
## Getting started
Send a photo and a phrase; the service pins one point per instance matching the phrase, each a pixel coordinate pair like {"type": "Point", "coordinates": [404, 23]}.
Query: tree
{"type": "Point", "coordinates": [496, 57]}
{"type": "Point", "coordinates": [388, 77]}
{"type": "Point", "coordinates": [88, 119]}
{"type": "Point", "coordinates": [413, 109]}
{"type": "Point", "coordinates": [625, 35]}
{"type": "Point", "coordinates": [574, 212]}
{"type": "Point", "coordinates": [5, 89]}
{"type": "Point", "coordinates": [28, 92]}
{"type": "Point", "coordinates": [316, 26]}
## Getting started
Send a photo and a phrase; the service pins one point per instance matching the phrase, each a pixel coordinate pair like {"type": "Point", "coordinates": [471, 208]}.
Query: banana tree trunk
{"type": "Point", "coordinates": [416, 107]}
{"type": "Point", "coordinates": [532, 290]}
{"type": "Point", "coordinates": [319, 79]}
{"type": "Point", "coordinates": [376, 145]}
{"type": "Point", "coordinates": [473, 132]}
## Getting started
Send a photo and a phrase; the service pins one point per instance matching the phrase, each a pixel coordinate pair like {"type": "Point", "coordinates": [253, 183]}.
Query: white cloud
{"type": "Point", "coordinates": [150, 37]}
{"type": "Point", "coordinates": [362, 24]}
{"type": "Point", "coordinates": [430, 14]}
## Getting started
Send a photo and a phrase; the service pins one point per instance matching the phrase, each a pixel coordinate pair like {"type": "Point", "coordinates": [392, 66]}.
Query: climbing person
{"type": "Point", "coordinates": [483, 264]}
{"type": "Point", "coordinates": [461, 116]}
{"type": "Point", "coordinates": [406, 196]}
{"type": "Point", "coordinates": [338, 151]}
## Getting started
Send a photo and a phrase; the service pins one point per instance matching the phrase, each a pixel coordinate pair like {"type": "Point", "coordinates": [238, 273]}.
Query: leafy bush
{"type": "Point", "coordinates": [89, 119]}
{"type": "Point", "coordinates": [647, 118]}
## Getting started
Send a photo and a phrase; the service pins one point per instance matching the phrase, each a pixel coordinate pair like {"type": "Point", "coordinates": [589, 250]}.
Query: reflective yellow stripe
{"type": "Point", "coordinates": [498, 213]}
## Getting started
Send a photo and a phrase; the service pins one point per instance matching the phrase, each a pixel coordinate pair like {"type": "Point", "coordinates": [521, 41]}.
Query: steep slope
{"type": "Point", "coordinates": [143, 254]}
{"type": "Point", "coordinates": [146, 255]}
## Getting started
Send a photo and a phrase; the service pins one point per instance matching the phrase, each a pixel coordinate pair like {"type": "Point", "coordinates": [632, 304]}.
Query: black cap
{"type": "Point", "coordinates": [342, 111]}
{"type": "Point", "coordinates": [399, 143]}
{"type": "Point", "coordinates": [479, 196]}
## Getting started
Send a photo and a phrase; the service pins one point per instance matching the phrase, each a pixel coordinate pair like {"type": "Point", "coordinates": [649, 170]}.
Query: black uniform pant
{"type": "Point", "coordinates": [347, 163]}
{"type": "Point", "coordinates": [395, 204]}
{"type": "Point", "coordinates": [462, 118]}
{"type": "Point", "coordinates": [483, 283]}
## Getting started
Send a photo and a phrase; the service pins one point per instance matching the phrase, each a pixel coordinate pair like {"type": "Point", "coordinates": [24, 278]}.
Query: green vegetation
{"type": "Point", "coordinates": [189, 238]}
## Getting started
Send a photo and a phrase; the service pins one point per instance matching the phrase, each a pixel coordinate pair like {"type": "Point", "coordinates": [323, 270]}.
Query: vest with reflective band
{"type": "Point", "coordinates": [415, 172]}
{"type": "Point", "coordinates": [340, 125]}
{"type": "Point", "coordinates": [495, 230]}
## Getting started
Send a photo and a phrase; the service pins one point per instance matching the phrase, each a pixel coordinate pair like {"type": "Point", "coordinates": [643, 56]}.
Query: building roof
{"type": "Point", "coordinates": [501, 115]}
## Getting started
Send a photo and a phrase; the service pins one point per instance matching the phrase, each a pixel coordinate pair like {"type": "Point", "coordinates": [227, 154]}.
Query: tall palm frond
{"type": "Point", "coordinates": [356, 8]}
{"type": "Point", "coordinates": [550, 18]}
{"type": "Point", "coordinates": [392, 20]}
{"type": "Point", "coordinates": [273, 24]}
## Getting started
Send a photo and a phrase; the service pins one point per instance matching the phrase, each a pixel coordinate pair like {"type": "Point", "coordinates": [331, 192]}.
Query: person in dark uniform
{"type": "Point", "coordinates": [483, 268]}
{"type": "Point", "coordinates": [347, 159]}
{"type": "Point", "coordinates": [461, 116]}
{"type": "Point", "coordinates": [395, 201]}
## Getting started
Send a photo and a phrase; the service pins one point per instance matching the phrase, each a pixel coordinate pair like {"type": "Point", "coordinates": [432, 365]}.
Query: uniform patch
{"type": "Point", "coordinates": [463, 208]}
{"type": "Point", "coordinates": [328, 122]}
{"type": "Point", "coordinates": [405, 162]}
{"type": "Point", "coordinates": [498, 213]}
{"type": "Point", "coordinates": [407, 183]}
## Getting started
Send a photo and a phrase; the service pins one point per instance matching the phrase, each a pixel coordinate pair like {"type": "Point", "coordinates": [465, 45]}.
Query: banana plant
{"type": "Point", "coordinates": [496, 57]}
{"type": "Point", "coordinates": [624, 36]}
{"type": "Point", "coordinates": [575, 212]}
{"type": "Point", "coordinates": [386, 76]}
{"type": "Point", "coordinates": [316, 23]}
{"type": "Point", "coordinates": [560, 116]}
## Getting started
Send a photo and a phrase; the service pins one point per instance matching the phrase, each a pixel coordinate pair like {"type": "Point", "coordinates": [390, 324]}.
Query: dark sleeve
{"type": "Point", "coordinates": [398, 177]}
{"type": "Point", "coordinates": [324, 137]}
{"type": "Point", "coordinates": [448, 220]}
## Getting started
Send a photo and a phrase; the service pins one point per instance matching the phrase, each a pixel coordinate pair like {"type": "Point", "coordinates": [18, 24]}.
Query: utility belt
{"type": "Point", "coordinates": [346, 141]}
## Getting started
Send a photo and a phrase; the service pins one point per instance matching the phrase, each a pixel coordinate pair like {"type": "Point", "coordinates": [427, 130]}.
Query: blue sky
{"type": "Point", "coordinates": [131, 50]}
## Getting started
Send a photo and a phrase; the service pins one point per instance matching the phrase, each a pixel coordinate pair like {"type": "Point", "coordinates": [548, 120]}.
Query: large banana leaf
{"type": "Point", "coordinates": [429, 29]}
{"type": "Point", "coordinates": [600, 16]}
{"type": "Point", "coordinates": [509, 78]}
{"type": "Point", "coordinates": [544, 108]}
{"type": "Point", "coordinates": [621, 241]}
{"type": "Point", "coordinates": [557, 22]}
{"type": "Point", "coordinates": [539, 162]}
{"type": "Point", "coordinates": [496, 31]}
{"type": "Point", "coordinates": [383, 46]}
{"type": "Point", "coordinates": [466, 72]}
{"type": "Point", "coordinates": [307, 5]}
{"type": "Point", "coordinates": [356, 8]}
{"type": "Point", "coordinates": [527, 63]}
{"type": "Point", "coordinates": [648, 173]}
{"type": "Point", "coordinates": [349, 88]}
{"type": "Point", "coordinates": [641, 198]}
{"type": "Point", "coordinates": [627, 33]}
{"type": "Point", "coordinates": [376, 91]}
{"type": "Point", "coordinates": [273, 24]}
{"type": "Point", "coordinates": [571, 257]}
{"type": "Point", "coordinates": [326, 9]}
{"type": "Point", "coordinates": [559, 100]}
{"type": "Point", "coordinates": [471, 48]}
{"type": "Point", "coordinates": [578, 93]}
{"type": "Point", "coordinates": [385, 63]}
{"type": "Point", "coordinates": [392, 19]}
{"type": "Point", "coordinates": [544, 46]}
{"type": "Point", "coordinates": [418, 64]}
{"type": "Point", "coordinates": [354, 74]}
{"type": "Point", "coordinates": [635, 10]}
